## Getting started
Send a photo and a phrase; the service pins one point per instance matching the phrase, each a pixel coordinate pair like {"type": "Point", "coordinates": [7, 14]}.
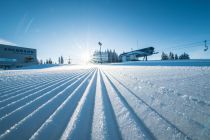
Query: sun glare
{"type": "Point", "coordinates": [86, 57]}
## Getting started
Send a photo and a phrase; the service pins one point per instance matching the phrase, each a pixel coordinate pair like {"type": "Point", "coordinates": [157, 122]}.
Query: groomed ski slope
{"type": "Point", "coordinates": [105, 103]}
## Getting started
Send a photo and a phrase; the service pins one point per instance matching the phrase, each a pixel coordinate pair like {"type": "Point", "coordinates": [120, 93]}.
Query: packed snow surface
{"type": "Point", "coordinates": [105, 102]}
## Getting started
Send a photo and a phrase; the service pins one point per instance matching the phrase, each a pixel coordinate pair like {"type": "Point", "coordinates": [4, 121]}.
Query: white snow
{"type": "Point", "coordinates": [120, 101]}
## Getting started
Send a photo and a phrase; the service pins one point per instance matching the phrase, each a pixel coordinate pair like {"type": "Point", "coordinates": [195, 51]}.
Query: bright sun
{"type": "Point", "coordinates": [86, 58]}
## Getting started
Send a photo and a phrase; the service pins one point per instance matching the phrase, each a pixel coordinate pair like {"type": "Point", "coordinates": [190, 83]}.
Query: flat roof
{"type": "Point", "coordinates": [16, 46]}
{"type": "Point", "coordinates": [141, 50]}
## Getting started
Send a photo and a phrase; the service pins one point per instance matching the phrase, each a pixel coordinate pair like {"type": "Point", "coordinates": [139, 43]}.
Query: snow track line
{"type": "Point", "coordinates": [81, 119]}
{"type": "Point", "coordinates": [150, 108]}
{"type": "Point", "coordinates": [32, 79]}
{"type": "Point", "coordinates": [30, 86]}
{"type": "Point", "coordinates": [190, 106]}
{"type": "Point", "coordinates": [6, 109]}
{"type": "Point", "coordinates": [23, 82]}
{"type": "Point", "coordinates": [99, 126]}
{"type": "Point", "coordinates": [54, 79]}
{"type": "Point", "coordinates": [195, 123]}
{"type": "Point", "coordinates": [20, 76]}
{"type": "Point", "coordinates": [126, 116]}
{"type": "Point", "coordinates": [104, 122]}
{"type": "Point", "coordinates": [49, 92]}
{"type": "Point", "coordinates": [30, 91]}
{"type": "Point", "coordinates": [64, 111]}
{"type": "Point", "coordinates": [19, 112]}
{"type": "Point", "coordinates": [19, 127]}
{"type": "Point", "coordinates": [17, 87]}
{"type": "Point", "coordinates": [26, 92]}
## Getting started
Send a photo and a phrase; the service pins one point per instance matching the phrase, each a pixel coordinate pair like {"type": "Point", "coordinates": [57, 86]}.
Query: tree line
{"type": "Point", "coordinates": [60, 60]}
{"type": "Point", "coordinates": [112, 56]}
{"type": "Point", "coordinates": [107, 56]}
{"type": "Point", "coordinates": [49, 61]}
{"type": "Point", "coordinates": [172, 56]}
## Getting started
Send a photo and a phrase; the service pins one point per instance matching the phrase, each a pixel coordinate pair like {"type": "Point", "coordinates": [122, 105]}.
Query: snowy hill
{"type": "Point", "coordinates": [105, 102]}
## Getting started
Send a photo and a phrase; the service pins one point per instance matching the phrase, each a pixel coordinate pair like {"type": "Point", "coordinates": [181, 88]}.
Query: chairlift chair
{"type": "Point", "coordinates": [206, 48]}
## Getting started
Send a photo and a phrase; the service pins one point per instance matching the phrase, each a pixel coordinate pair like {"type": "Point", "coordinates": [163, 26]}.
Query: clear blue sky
{"type": "Point", "coordinates": [74, 27]}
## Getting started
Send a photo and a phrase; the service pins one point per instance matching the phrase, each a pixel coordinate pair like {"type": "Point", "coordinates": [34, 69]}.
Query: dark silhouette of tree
{"type": "Point", "coordinates": [116, 57]}
{"type": "Point", "coordinates": [61, 60]}
{"type": "Point", "coordinates": [40, 61]}
{"type": "Point", "coordinates": [164, 56]}
{"type": "Point", "coordinates": [176, 57]}
{"type": "Point", "coordinates": [171, 56]}
{"type": "Point", "coordinates": [184, 56]}
{"type": "Point", "coordinates": [47, 61]}
{"type": "Point", "coordinates": [111, 54]}
{"type": "Point", "coordinates": [50, 61]}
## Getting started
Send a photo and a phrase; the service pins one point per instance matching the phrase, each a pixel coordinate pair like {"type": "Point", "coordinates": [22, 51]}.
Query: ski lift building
{"type": "Point", "coordinates": [136, 54]}
{"type": "Point", "coordinates": [14, 56]}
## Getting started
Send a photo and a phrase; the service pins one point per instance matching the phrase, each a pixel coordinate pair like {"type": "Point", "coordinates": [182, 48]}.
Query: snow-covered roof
{"type": "Point", "coordinates": [140, 52]}
{"type": "Point", "coordinates": [5, 42]}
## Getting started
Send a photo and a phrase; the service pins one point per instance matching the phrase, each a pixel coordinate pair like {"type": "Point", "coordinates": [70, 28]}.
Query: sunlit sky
{"type": "Point", "coordinates": [74, 27]}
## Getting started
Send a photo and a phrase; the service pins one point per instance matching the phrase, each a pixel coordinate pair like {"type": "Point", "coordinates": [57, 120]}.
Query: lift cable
{"type": "Point", "coordinates": [190, 45]}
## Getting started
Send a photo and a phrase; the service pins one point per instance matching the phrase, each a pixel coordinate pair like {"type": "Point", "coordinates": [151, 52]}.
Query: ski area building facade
{"type": "Point", "coordinates": [14, 56]}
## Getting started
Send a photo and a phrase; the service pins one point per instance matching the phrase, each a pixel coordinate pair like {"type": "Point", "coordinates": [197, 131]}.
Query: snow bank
{"type": "Point", "coordinates": [43, 66]}
{"type": "Point", "coordinates": [196, 62]}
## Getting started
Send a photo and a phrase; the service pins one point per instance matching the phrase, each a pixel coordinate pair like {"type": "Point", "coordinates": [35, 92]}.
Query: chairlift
{"type": "Point", "coordinates": [206, 48]}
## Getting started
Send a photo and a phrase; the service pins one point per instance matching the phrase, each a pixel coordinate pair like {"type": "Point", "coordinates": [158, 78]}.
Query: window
{"type": "Point", "coordinates": [7, 60]}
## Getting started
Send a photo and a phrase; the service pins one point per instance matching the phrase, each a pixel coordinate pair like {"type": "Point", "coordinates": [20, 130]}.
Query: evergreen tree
{"type": "Point", "coordinates": [62, 60]}
{"type": "Point", "coordinates": [59, 60]}
{"type": "Point", "coordinates": [171, 56]}
{"type": "Point", "coordinates": [115, 56]}
{"type": "Point", "coordinates": [176, 57]}
{"type": "Point", "coordinates": [109, 56]}
{"type": "Point", "coordinates": [184, 56]}
{"type": "Point", "coordinates": [40, 61]}
{"type": "Point", "coordinates": [164, 56]}
{"type": "Point", "coordinates": [50, 61]}
{"type": "Point", "coordinates": [112, 57]}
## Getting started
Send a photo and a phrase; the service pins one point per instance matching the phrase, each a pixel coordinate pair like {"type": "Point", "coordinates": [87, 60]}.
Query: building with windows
{"type": "Point", "coordinates": [14, 56]}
